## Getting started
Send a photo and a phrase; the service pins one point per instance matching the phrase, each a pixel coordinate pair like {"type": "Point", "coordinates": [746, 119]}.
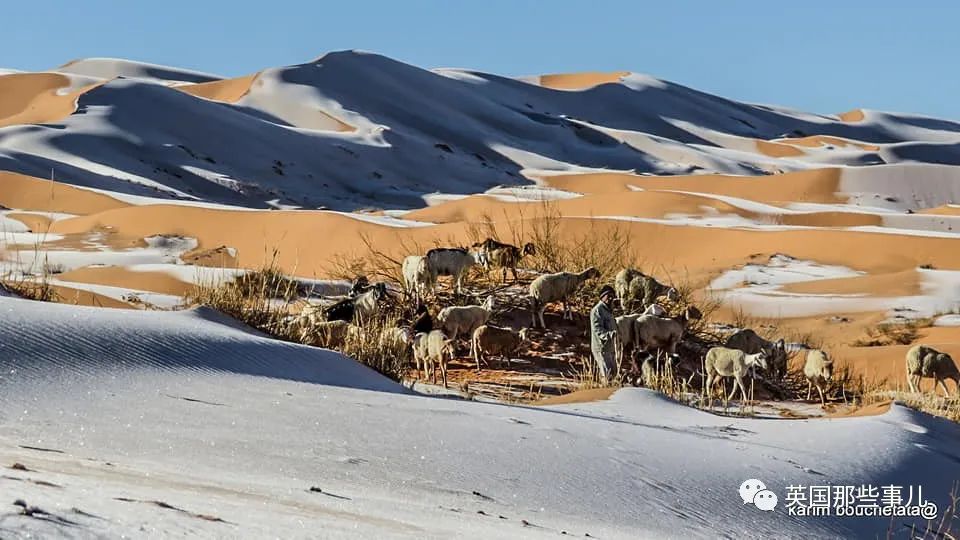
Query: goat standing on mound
{"type": "Point", "coordinates": [499, 255]}
{"type": "Point", "coordinates": [556, 288]}
{"type": "Point", "coordinates": [723, 362]}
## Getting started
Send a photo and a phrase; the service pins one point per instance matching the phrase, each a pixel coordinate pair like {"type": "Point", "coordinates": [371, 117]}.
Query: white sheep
{"type": "Point", "coordinates": [723, 362]}
{"type": "Point", "coordinates": [776, 351]}
{"type": "Point", "coordinates": [925, 361]}
{"type": "Point", "coordinates": [556, 288]}
{"type": "Point", "coordinates": [456, 320]}
{"type": "Point", "coordinates": [430, 349]}
{"type": "Point", "coordinates": [454, 262]}
{"type": "Point", "coordinates": [417, 277]}
{"type": "Point", "coordinates": [656, 310]}
{"type": "Point", "coordinates": [653, 332]}
{"type": "Point", "coordinates": [491, 340]}
{"type": "Point", "coordinates": [818, 370]}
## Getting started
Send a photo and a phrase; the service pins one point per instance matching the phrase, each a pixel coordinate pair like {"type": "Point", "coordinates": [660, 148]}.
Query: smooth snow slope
{"type": "Point", "coordinates": [353, 129]}
{"type": "Point", "coordinates": [122, 409]}
{"type": "Point", "coordinates": [109, 68]}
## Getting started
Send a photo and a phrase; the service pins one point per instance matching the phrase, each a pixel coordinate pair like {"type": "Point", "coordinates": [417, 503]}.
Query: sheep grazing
{"type": "Point", "coordinates": [723, 362]}
{"type": "Point", "coordinates": [361, 307]}
{"type": "Point", "coordinates": [818, 370]}
{"type": "Point", "coordinates": [776, 351]}
{"type": "Point", "coordinates": [417, 277]}
{"type": "Point", "coordinates": [493, 340]}
{"type": "Point", "coordinates": [662, 333]}
{"type": "Point", "coordinates": [499, 255]}
{"type": "Point", "coordinates": [456, 320]}
{"type": "Point", "coordinates": [556, 288]}
{"type": "Point", "coordinates": [621, 283]}
{"type": "Point", "coordinates": [924, 361]}
{"type": "Point", "coordinates": [645, 290]}
{"type": "Point", "coordinates": [452, 262]}
{"type": "Point", "coordinates": [430, 349]}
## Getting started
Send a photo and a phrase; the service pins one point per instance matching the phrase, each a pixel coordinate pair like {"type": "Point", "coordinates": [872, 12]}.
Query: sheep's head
{"type": "Point", "coordinates": [672, 294]}
{"type": "Point", "coordinates": [760, 360]}
{"type": "Point", "coordinates": [591, 273]}
{"type": "Point", "coordinates": [488, 303]}
{"type": "Point", "coordinates": [945, 363]}
{"type": "Point", "coordinates": [827, 370]}
{"type": "Point", "coordinates": [524, 334]}
{"type": "Point", "coordinates": [529, 249]}
{"type": "Point", "coordinates": [447, 348]}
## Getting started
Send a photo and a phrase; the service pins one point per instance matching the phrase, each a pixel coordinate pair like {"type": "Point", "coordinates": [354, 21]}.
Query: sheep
{"type": "Point", "coordinates": [646, 290]}
{"type": "Point", "coordinates": [417, 277]}
{"type": "Point", "coordinates": [776, 351]}
{"type": "Point", "coordinates": [621, 283]}
{"type": "Point", "coordinates": [452, 262]}
{"type": "Point", "coordinates": [360, 307]}
{"type": "Point", "coordinates": [326, 334]}
{"type": "Point", "coordinates": [556, 288]}
{"type": "Point", "coordinates": [657, 310]}
{"type": "Point", "coordinates": [489, 339]}
{"type": "Point", "coordinates": [432, 348]}
{"type": "Point", "coordinates": [500, 255]}
{"type": "Point", "coordinates": [818, 370]}
{"type": "Point", "coordinates": [924, 361]}
{"type": "Point", "coordinates": [456, 320]}
{"type": "Point", "coordinates": [423, 322]}
{"type": "Point", "coordinates": [663, 333]}
{"type": "Point", "coordinates": [626, 333]}
{"type": "Point", "coordinates": [723, 362]}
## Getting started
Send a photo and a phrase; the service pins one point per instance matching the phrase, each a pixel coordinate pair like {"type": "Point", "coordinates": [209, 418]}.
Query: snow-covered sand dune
{"type": "Point", "coordinates": [353, 129]}
{"type": "Point", "coordinates": [121, 409]}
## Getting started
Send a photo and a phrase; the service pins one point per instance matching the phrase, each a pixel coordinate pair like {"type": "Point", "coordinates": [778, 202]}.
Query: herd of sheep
{"type": "Point", "coordinates": [644, 331]}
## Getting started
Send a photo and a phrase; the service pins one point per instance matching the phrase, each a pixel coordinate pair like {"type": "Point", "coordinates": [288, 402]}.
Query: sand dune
{"type": "Point", "coordinates": [28, 193]}
{"type": "Point", "coordinates": [37, 98]}
{"type": "Point", "coordinates": [225, 90]}
{"type": "Point", "coordinates": [579, 81]}
{"type": "Point", "coordinates": [856, 115]}
{"type": "Point", "coordinates": [109, 68]}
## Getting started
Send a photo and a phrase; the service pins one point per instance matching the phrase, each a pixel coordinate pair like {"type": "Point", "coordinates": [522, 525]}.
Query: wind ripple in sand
{"type": "Point", "coordinates": [41, 342]}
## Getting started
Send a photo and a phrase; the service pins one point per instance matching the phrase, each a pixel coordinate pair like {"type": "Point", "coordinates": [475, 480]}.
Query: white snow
{"type": "Point", "coordinates": [193, 410]}
{"type": "Point", "coordinates": [756, 288]}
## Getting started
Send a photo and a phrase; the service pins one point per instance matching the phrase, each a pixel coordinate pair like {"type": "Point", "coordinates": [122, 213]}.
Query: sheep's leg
{"type": "Point", "coordinates": [946, 393]}
{"type": "Point", "coordinates": [810, 389]}
{"type": "Point", "coordinates": [743, 391]}
{"type": "Point", "coordinates": [443, 371]}
{"type": "Point", "coordinates": [914, 382]}
{"type": "Point", "coordinates": [513, 270]}
{"type": "Point", "coordinates": [733, 392]}
{"type": "Point", "coordinates": [823, 402]}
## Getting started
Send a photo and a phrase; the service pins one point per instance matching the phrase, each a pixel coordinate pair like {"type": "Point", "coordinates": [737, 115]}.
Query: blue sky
{"type": "Point", "coordinates": [814, 55]}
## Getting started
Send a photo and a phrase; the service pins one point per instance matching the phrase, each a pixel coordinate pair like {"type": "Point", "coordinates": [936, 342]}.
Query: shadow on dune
{"type": "Point", "coordinates": [42, 343]}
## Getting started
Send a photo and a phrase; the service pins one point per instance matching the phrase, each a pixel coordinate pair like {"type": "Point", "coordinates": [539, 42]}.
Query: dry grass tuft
{"type": "Point", "coordinates": [893, 333]}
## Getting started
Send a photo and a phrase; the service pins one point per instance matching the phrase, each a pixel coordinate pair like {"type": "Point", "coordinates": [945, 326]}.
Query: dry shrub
{"type": "Point", "coordinates": [268, 281]}
{"type": "Point", "coordinates": [374, 347]}
{"type": "Point", "coordinates": [40, 290]}
{"type": "Point", "coordinates": [892, 333]}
